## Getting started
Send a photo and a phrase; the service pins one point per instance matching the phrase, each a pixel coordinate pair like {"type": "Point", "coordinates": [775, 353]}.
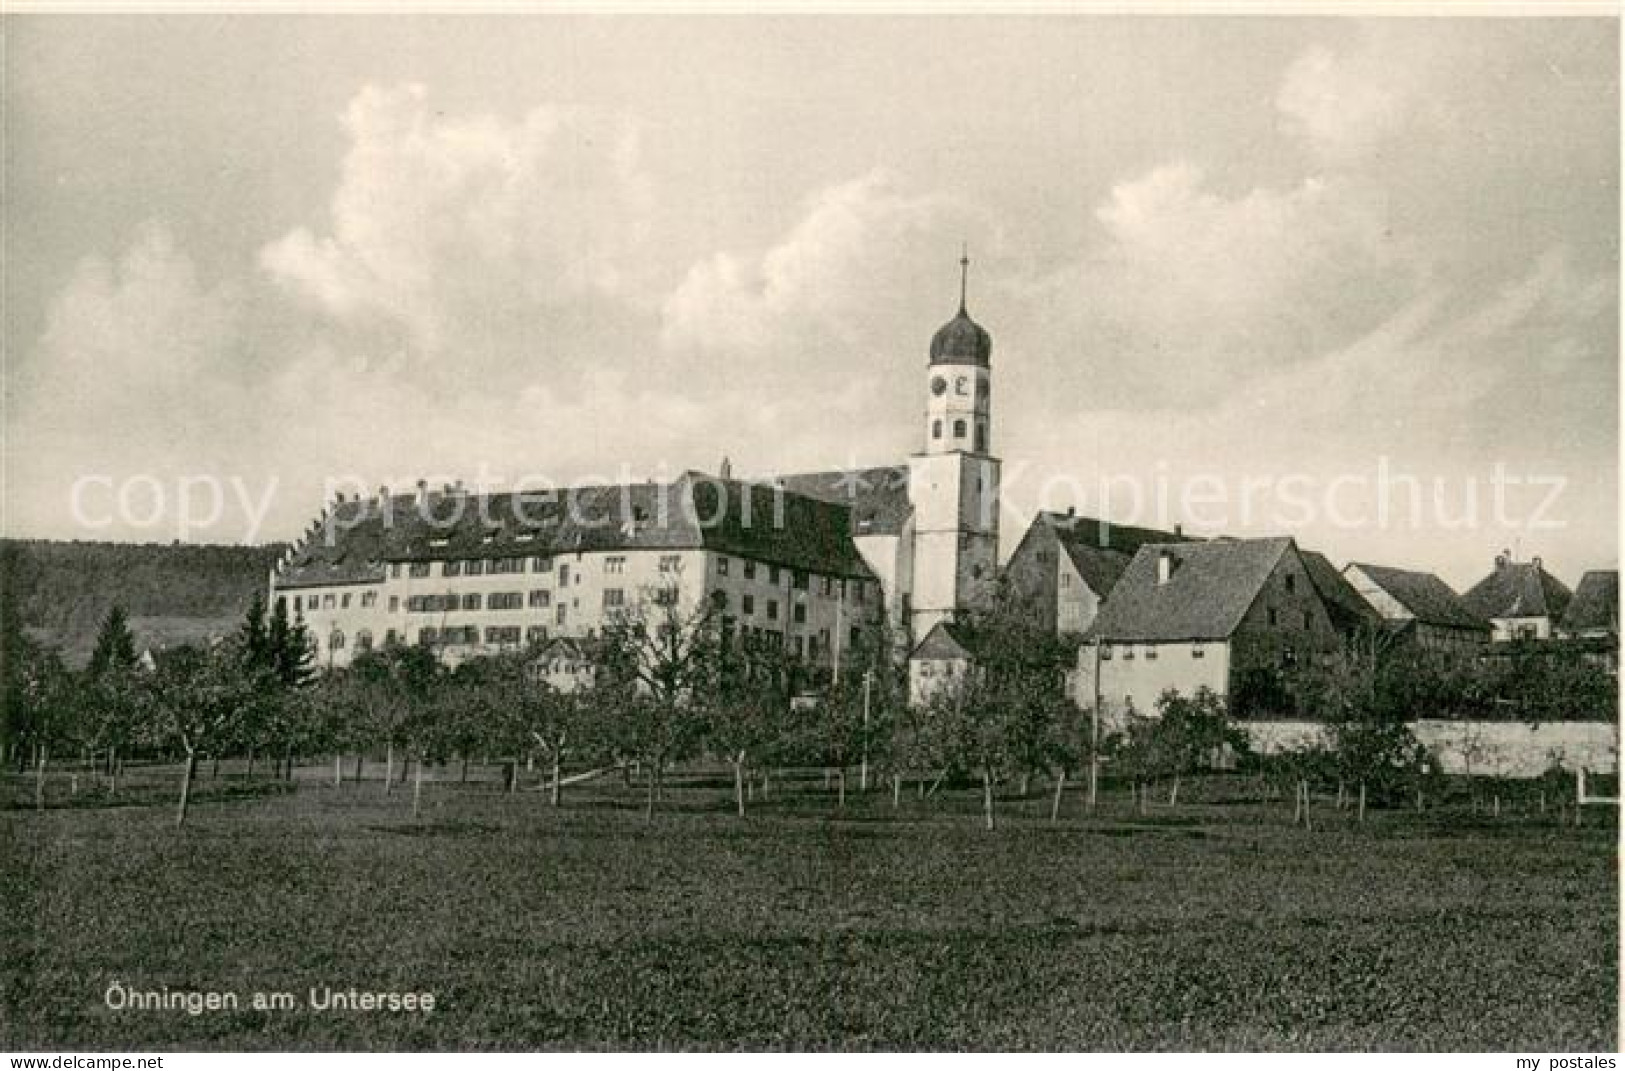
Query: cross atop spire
{"type": "Point", "coordinates": [964, 272]}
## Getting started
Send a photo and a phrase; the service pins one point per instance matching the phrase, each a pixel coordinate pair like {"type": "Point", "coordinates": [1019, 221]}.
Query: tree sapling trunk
{"type": "Point", "coordinates": [1055, 803]}
{"type": "Point", "coordinates": [186, 787]}
{"type": "Point", "coordinates": [417, 785]}
{"type": "Point", "coordinates": [1362, 803]}
{"type": "Point", "coordinates": [896, 791]}
{"type": "Point", "coordinates": [739, 783]}
{"type": "Point", "coordinates": [39, 778]}
{"type": "Point", "coordinates": [987, 798]}
{"type": "Point", "coordinates": [389, 766]}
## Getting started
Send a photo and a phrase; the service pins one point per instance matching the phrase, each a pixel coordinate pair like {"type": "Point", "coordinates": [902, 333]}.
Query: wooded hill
{"type": "Point", "coordinates": [174, 593]}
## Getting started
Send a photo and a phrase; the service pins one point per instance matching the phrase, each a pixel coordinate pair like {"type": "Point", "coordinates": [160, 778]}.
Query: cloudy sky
{"type": "Point", "coordinates": [1235, 267]}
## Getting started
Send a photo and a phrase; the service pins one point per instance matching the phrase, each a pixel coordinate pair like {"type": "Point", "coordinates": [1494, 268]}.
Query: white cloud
{"type": "Point", "coordinates": [129, 345]}
{"type": "Point", "coordinates": [468, 233]}
{"type": "Point", "coordinates": [1188, 294]}
{"type": "Point", "coordinates": [855, 241]}
{"type": "Point", "coordinates": [1345, 104]}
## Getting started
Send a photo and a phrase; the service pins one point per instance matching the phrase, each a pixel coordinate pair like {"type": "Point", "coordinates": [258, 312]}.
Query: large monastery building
{"type": "Point", "coordinates": [802, 561]}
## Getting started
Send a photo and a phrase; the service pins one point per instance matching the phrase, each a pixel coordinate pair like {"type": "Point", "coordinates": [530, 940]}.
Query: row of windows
{"type": "Point", "coordinates": [1107, 652]}
{"type": "Point", "coordinates": [754, 637]}
{"type": "Point", "coordinates": [747, 607]}
{"type": "Point", "coordinates": [496, 635]}
{"type": "Point", "coordinates": [1274, 615]}
{"type": "Point", "coordinates": [497, 600]}
{"type": "Point", "coordinates": [960, 431]}
{"type": "Point", "coordinates": [475, 567]}
{"type": "Point", "coordinates": [828, 586]}
{"type": "Point", "coordinates": [332, 601]}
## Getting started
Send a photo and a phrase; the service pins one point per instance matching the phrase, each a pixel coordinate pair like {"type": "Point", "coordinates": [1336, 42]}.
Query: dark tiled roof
{"type": "Point", "coordinates": [570, 648]}
{"type": "Point", "coordinates": [1595, 604]}
{"type": "Point", "coordinates": [1212, 586]}
{"type": "Point", "coordinates": [355, 541]}
{"type": "Point", "coordinates": [877, 497]}
{"type": "Point", "coordinates": [1344, 605]}
{"type": "Point", "coordinates": [1427, 597]}
{"type": "Point", "coordinates": [948, 641]}
{"type": "Point", "coordinates": [1100, 550]}
{"type": "Point", "coordinates": [772, 525]}
{"type": "Point", "coordinates": [1518, 589]}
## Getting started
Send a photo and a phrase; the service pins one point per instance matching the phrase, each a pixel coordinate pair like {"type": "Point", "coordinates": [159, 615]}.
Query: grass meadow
{"type": "Point", "coordinates": [1214, 925]}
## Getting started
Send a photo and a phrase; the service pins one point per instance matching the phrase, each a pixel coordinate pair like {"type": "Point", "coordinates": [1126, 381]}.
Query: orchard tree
{"type": "Point", "coordinates": [750, 723]}
{"type": "Point", "coordinates": [662, 662]}
{"type": "Point", "coordinates": [203, 696]}
{"type": "Point", "coordinates": [49, 707]}
{"type": "Point", "coordinates": [381, 691]}
{"type": "Point", "coordinates": [1194, 732]}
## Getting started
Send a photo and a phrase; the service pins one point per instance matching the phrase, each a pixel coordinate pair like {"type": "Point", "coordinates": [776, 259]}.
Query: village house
{"type": "Point", "coordinates": [567, 663]}
{"type": "Point", "coordinates": [1419, 607]}
{"type": "Point", "coordinates": [1593, 612]}
{"type": "Point", "coordinates": [1220, 615]}
{"type": "Point", "coordinates": [949, 653]}
{"type": "Point", "coordinates": [1521, 600]}
{"type": "Point", "coordinates": [1065, 567]}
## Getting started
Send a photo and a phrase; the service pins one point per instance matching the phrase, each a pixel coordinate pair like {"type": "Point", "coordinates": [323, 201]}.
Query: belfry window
{"type": "Point", "coordinates": [959, 429]}
{"type": "Point", "coordinates": [936, 429]}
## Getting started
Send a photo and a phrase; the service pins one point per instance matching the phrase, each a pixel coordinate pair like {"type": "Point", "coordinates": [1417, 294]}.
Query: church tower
{"type": "Point", "coordinates": [954, 481]}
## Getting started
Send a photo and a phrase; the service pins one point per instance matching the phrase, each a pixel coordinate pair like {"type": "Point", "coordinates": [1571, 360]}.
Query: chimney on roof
{"type": "Point", "coordinates": [1535, 561]}
{"type": "Point", "coordinates": [726, 469]}
{"type": "Point", "coordinates": [1071, 511]}
{"type": "Point", "coordinates": [1165, 567]}
{"type": "Point", "coordinates": [383, 494]}
{"type": "Point", "coordinates": [423, 492]}
{"type": "Point", "coordinates": [1503, 559]}
{"type": "Point", "coordinates": [1179, 530]}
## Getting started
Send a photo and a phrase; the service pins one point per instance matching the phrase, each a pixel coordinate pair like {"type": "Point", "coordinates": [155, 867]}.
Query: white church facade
{"type": "Point", "coordinates": [806, 562]}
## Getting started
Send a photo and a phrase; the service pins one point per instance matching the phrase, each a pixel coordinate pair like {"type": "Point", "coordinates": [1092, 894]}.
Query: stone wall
{"type": "Point", "coordinates": [1498, 748]}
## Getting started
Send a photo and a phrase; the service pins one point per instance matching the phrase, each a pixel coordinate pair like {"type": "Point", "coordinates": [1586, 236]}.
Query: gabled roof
{"type": "Point", "coordinates": [1212, 586]}
{"type": "Point", "coordinates": [947, 641]}
{"type": "Point", "coordinates": [1429, 599]}
{"type": "Point", "coordinates": [570, 648]}
{"type": "Point", "coordinates": [357, 538]}
{"type": "Point", "coordinates": [1099, 550]}
{"type": "Point", "coordinates": [1595, 604]}
{"type": "Point", "coordinates": [778, 526]}
{"type": "Point", "coordinates": [1518, 589]}
{"type": "Point", "coordinates": [877, 497]}
{"type": "Point", "coordinates": [1344, 605]}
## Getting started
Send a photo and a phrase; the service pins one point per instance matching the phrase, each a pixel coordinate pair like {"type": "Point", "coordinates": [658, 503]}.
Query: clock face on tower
{"type": "Point", "coordinates": [939, 386]}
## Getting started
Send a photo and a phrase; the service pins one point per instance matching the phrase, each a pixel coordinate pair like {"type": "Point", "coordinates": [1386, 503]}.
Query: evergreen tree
{"type": "Point", "coordinates": [115, 645]}
{"type": "Point", "coordinates": [254, 637]}
{"type": "Point", "coordinates": [287, 646]}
